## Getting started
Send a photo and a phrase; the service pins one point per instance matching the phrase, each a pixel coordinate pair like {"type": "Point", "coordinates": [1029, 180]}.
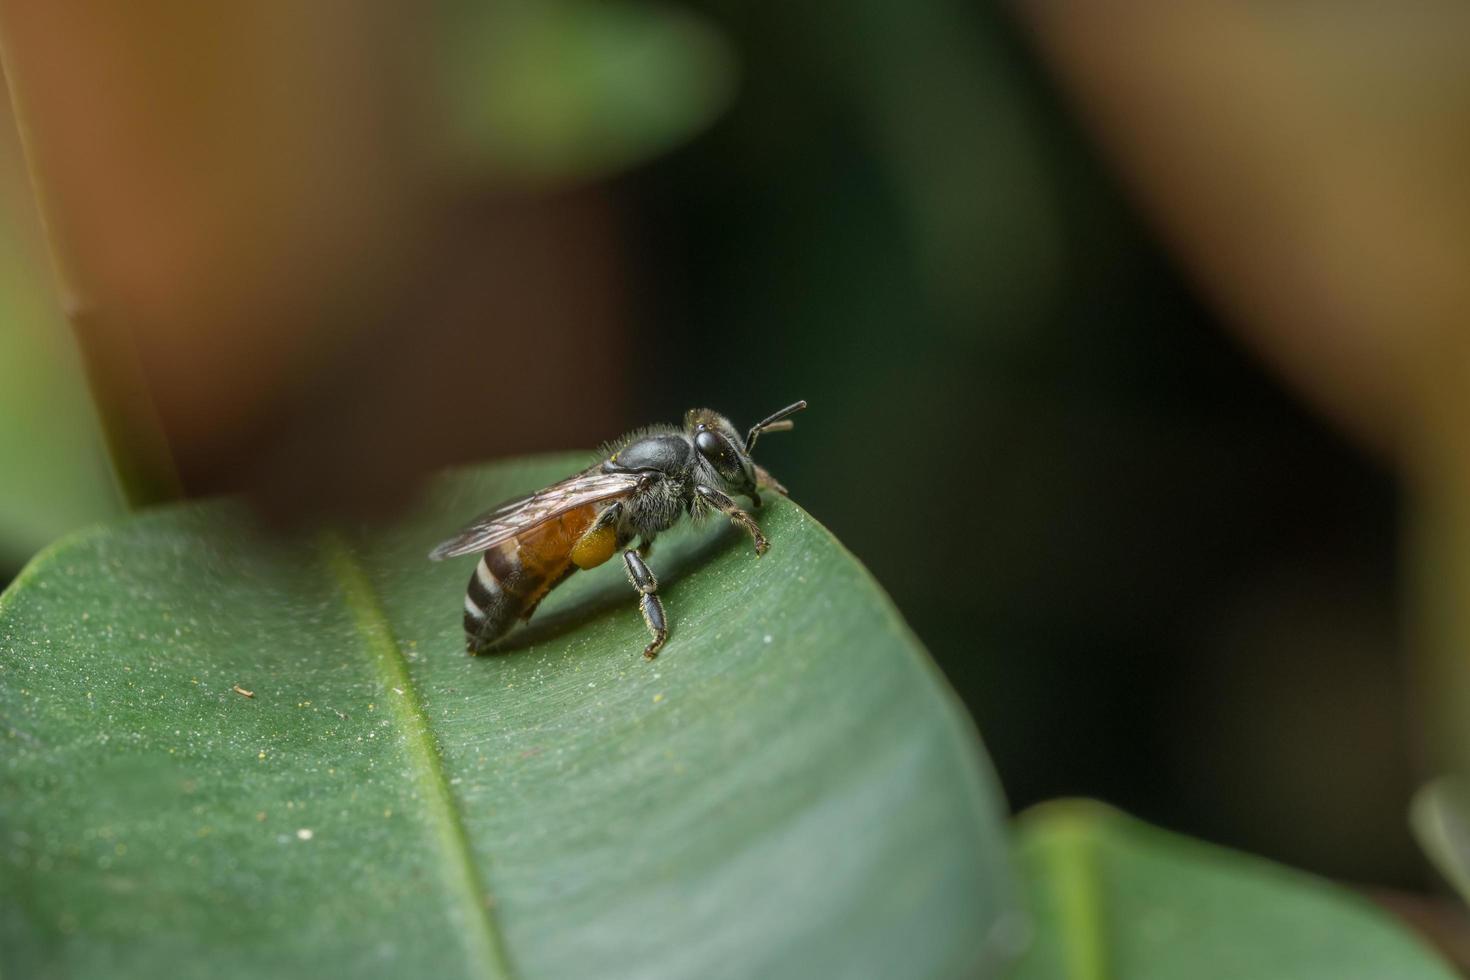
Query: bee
{"type": "Point", "coordinates": [649, 481]}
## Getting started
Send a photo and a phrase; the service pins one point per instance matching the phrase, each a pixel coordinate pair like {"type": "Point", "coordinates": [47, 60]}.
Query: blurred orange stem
{"type": "Point", "coordinates": [142, 463]}
{"type": "Point", "coordinates": [230, 193]}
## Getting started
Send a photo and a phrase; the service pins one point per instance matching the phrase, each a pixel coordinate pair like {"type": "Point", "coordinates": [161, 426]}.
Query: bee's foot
{"type": "Point", "coordinates": [650, 652]}
{"type": "Point", "coordinates": [761, 546]}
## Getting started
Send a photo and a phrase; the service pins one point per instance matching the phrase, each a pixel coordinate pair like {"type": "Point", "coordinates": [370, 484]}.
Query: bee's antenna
{"type": "Point", "coordinates": [775, 422]}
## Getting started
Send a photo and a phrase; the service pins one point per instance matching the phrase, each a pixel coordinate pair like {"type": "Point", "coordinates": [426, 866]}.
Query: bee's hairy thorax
{"type": "Point", "coordinates": [656, 508]}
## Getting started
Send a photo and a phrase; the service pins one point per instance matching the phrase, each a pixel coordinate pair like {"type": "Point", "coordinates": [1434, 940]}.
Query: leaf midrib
{"type": "Point", "coordinates": [1072, 861]}
{"type": "Point", "coordinates": [484, 945]}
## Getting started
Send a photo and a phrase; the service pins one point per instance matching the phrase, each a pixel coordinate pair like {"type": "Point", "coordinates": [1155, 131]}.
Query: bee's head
{"type": "Point", "coordinates": [720, 445]}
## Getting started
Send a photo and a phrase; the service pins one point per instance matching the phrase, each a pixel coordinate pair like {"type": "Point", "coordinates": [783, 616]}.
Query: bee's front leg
{"type": "Point", "coordinates": [730, 509]}
{"type": "Point", "coordinates": [648, 602]}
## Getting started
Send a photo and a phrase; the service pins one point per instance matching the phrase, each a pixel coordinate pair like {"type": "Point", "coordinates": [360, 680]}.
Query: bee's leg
{"type": "Point", "coordinates": [728, 507]}
{"type": "Point", "coordinates": [648, 601]}
{"type": "Point", "coordinates": [645, 545]}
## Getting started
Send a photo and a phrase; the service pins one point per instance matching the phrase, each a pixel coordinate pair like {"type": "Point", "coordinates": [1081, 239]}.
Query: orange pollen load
{"type": "Point", "coordinates": [594, 548]}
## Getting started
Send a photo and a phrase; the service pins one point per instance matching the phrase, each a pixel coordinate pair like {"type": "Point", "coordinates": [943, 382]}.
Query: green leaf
{"type": "Point", "coordinates": [789, 790]}
{"type": "Point", "coordinates": [1113, 897]}
{"type": "Point", "coordinates": [570, 89]}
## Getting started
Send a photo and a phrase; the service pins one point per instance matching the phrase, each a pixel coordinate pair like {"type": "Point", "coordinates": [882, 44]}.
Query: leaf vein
{"type": "Point", "coordinates": [485, 946]}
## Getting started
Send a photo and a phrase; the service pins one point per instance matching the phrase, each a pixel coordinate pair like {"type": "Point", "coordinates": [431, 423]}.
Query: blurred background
{"type": "Point", "coordinates": [1129, 338]}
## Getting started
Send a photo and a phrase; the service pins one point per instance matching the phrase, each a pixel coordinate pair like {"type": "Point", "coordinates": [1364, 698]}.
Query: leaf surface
{"type": "Point", "coordinates": [789, 790]}
{"type": "Point", "coordinates": [1113, 897]}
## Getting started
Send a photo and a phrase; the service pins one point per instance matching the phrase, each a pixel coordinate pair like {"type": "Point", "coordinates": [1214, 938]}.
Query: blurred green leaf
{"type": "Point", "coordinates": [789, 790]}
{"type": "Point", "coordinates": [55, 471]}
{"type": "Point", "coordinates": [1113, 897]}
{"type": "Point", "coordinates": [572, 89]}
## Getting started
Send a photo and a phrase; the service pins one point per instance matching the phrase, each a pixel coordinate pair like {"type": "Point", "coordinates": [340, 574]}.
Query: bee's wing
{"type": "Point", "coordinates": [523, 513]}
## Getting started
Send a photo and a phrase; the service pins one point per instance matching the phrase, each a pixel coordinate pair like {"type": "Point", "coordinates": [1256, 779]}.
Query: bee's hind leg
{"type": "Point", "coordinates": [648, 601]}
{"type": "Point", "coordinates": [730, 509]}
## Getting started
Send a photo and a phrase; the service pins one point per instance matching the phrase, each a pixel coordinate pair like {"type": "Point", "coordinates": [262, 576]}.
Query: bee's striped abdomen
{"type": "Point", "coordinates": [489, 611]}
{"type": "Point", "coordinates": [512, 578]}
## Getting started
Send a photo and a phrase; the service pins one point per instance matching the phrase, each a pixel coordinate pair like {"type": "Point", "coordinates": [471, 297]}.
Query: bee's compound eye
{"type": "Point", "coordinates": [711, 446]}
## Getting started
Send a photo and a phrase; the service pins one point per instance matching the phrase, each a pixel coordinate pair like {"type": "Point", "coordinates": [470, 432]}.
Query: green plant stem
{"type": "Point", "coordinates": [1437, 560]}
